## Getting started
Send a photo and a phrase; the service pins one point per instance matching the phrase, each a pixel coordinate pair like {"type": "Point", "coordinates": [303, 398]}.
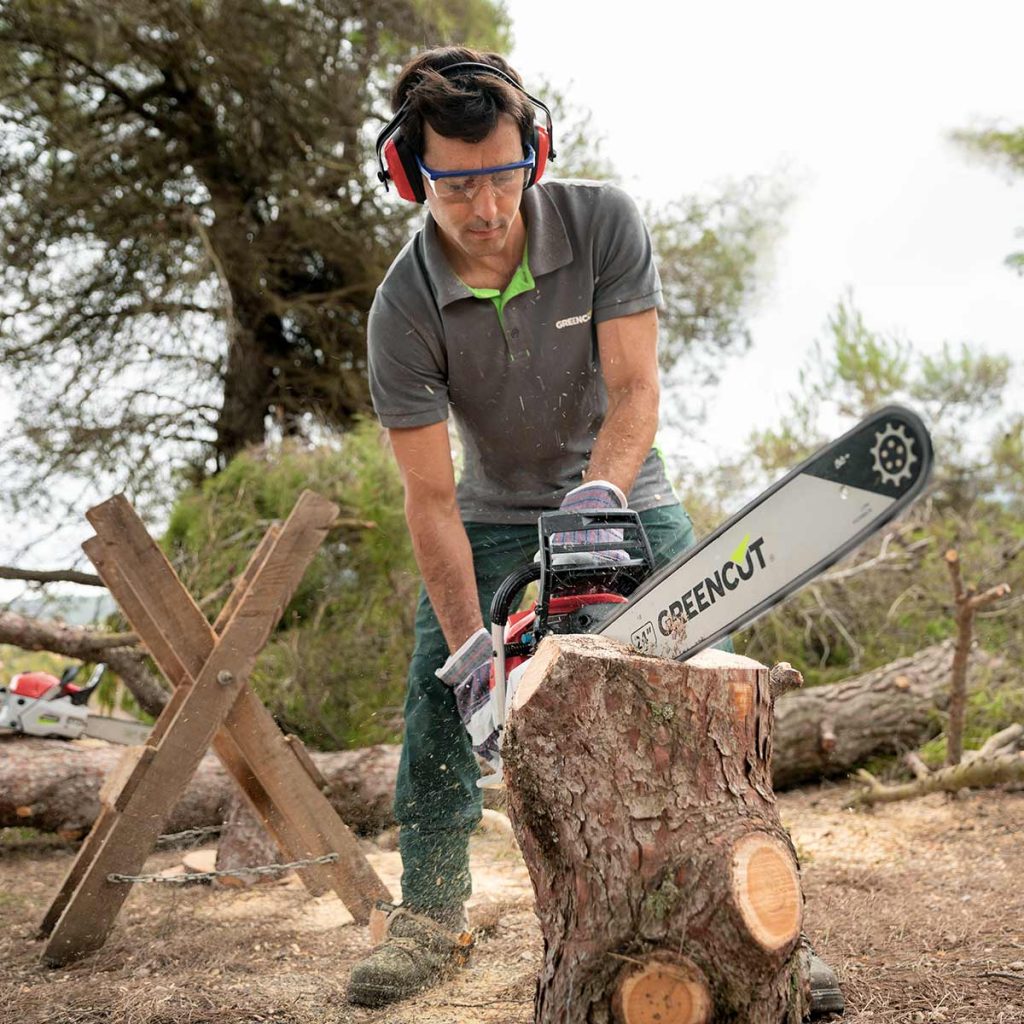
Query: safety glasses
{"type": "Point", "coordinates": [463, 186]}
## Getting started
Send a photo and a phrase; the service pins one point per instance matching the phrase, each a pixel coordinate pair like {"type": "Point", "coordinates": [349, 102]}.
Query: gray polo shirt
{"type": "Point", "coordinates": [525, 388]}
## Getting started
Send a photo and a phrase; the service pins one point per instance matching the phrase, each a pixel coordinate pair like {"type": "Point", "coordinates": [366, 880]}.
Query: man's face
{"type": "Point", "coordinates": [478, 228]}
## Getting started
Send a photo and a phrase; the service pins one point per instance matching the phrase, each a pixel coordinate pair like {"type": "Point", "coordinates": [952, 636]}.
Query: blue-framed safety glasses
{"type": "Point", "coordinates": [463, 186]}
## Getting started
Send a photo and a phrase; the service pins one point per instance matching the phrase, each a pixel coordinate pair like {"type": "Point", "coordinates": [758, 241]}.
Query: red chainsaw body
{"type": "Point", "coordinates": [34, 685]}
{"type": "Point", "coordinates": [520, 623]}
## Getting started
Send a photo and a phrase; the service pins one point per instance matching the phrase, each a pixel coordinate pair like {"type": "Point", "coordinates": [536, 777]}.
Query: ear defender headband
{"type": "Point", "coordinates": [397, 161]}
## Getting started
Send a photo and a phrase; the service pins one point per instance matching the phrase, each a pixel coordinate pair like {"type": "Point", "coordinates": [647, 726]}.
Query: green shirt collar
{"type": "Point", "coordinates": [522, 281]}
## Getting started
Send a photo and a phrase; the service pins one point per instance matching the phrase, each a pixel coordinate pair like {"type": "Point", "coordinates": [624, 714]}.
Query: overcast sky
{"type": "Point", "coordinates": [854, 104]}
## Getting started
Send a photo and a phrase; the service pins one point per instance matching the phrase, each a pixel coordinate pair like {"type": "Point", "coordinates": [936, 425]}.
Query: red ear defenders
{"type": "Point", "coordinates": [397, 161]}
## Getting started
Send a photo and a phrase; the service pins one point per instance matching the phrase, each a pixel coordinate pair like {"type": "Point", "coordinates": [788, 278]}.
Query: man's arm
{"type": "Point", "coordinates": [628, 347]}
{"type": "Point", "coordinates": [438, 536]}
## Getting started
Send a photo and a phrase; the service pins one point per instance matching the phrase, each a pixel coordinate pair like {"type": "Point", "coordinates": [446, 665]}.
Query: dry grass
{"type": "Point", "coordinates": [919, 906]}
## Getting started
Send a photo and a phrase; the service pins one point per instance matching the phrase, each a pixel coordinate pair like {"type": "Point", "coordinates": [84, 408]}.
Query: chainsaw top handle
{"type": "Point", "coordinates": [558, 577]}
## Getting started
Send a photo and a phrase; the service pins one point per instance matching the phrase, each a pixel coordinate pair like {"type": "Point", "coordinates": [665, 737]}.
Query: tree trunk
{"type": "Point", "coordinates": [830, 730]}
{"type": "Point", "coordinates": [54, 786]}
{"type": "Point", "coordinates": [640, 792]}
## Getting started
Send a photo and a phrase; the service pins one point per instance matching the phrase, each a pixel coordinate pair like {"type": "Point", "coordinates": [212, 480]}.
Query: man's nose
{"type": "Point", "coordinates": [485, 202]}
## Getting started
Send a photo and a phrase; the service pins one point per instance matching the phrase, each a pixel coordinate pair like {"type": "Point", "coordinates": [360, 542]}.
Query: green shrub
{"type": "Point", "coordinates": [334, 669]}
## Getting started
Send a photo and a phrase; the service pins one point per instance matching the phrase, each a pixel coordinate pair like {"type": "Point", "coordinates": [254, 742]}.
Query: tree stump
{"type": "Point", "coordinates": [640, 791]}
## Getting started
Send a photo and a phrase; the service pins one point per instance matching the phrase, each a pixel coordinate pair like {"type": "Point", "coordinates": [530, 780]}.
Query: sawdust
{"type": "Point", "coordinates": [919, 906]}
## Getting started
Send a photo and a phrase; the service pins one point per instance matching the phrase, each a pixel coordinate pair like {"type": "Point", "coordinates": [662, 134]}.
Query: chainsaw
{"type": "Point", "coordinates": [819, 512]}
{"type": "Point", "coordinates": [40, 704]}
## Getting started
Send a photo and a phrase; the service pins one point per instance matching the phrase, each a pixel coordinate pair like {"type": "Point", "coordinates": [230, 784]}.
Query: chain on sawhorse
{"type": "Point", "coordinates": [190, 833]}
{"type": "Point", "coordinates": [209, 876]}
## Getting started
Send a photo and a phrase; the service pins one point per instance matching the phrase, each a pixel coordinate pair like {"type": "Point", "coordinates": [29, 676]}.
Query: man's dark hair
{"type": "Point", "coordinates": [465, 105]}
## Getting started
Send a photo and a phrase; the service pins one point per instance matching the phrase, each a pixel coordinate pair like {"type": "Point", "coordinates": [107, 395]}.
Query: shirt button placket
{"type": "Point", "coordinates": [517, 334]}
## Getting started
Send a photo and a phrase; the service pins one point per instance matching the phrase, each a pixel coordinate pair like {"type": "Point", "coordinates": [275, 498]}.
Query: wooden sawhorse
{"type": "Point", "coordinates": [209, 668]}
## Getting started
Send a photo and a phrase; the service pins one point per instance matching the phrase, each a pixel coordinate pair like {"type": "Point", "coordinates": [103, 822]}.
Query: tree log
{"type": "Point", "coordinates": [639, 790]}
{"type": "Point", "coordinates": [827, 731]}
{"type": "Point", "coordinates": [819, 732]}
{"type": "Point", "coordinates": [245, 843]}
{"type": "Point", "coordinates": [54, 786]}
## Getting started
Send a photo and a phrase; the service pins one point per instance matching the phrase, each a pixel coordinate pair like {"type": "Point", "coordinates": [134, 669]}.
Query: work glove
{"type": "Point", "coordinates": [470, 673]}
{"type": "Point", "coordinates": [593, 496]}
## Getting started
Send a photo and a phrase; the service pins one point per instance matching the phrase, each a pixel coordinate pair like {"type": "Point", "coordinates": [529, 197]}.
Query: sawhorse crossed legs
{"type": "Point", "coordinates": [212, 703]}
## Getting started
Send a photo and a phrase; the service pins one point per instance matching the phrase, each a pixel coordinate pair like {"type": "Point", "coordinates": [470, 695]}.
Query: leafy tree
{"type": "Point", "coordinates": [892, 597]}
{"type": "Point", "coordinates": [959, 390]}
{"type": "Point", "coordinates": [190, 227]}
{"type": "Point", "coordinates": [1003, 147]}
{"type": "Point", "coordinates": [192, 232]}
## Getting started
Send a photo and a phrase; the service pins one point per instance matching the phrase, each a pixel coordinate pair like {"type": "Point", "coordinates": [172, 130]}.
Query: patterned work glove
{"type": "Point", "coordinates": [470, 673]}
{"type": "Point", "coordinates": [593, 496]}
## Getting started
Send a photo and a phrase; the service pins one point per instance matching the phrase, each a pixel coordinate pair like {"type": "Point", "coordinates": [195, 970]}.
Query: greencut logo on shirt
{"type": "Point", "coordinates": [741, 566]}
{"type": "Point", "coordinates": [573, 321]}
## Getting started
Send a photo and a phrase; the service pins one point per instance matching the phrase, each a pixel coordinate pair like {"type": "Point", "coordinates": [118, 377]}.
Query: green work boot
{"type": "Point", "coordinates": [419, 950]}
{"type": "Point", "coordinates": [826, 997]}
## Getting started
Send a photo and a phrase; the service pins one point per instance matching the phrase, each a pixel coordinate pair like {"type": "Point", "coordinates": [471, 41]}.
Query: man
{"type": "Point", "coordinates": [529, 311]}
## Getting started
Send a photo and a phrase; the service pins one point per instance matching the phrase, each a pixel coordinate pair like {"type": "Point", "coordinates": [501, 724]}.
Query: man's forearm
{"type": "Point", "coordinates": [445, 559]}
{"type": "Point", "coordinates": [625, 437]}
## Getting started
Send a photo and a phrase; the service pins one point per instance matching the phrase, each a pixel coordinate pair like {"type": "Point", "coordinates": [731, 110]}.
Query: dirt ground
{"type": "Point", "coordinates": [919, 906]}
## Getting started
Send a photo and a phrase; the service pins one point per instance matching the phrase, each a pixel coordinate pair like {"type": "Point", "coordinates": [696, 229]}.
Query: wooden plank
{"type": "Point", "coordinates": [105, 557]}
{"type": "Point", "coordinates": [288, 786]}
{"type": "Point", "coordinates": [115, 567]}
{"type": "Point", "coordinates": [258, 557]}
{"type": "Point", "coordinates": [86, 855]}
{"type": "Point", "coordinates": [308, 765]}
{"type": "Point", "coordinates": [117, 525]}
{"type": "Point", "coordinates": [312, 826]}
{"type": "Point", "coordinates": [91, 911]}
{"type": "Point", "coordinates": [316, 878]}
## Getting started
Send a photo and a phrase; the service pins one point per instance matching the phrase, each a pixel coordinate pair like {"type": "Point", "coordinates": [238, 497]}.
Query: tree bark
{"type": "Point", "coordinates": [245, 843]}
{"type": "Point", "coordinates": [54, 786]}
{"type": "Point", "coordinates": [640, 792]}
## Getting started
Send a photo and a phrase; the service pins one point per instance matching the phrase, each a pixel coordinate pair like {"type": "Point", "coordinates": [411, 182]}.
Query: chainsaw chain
{"type": "Point", "coordinates": [209, 876]}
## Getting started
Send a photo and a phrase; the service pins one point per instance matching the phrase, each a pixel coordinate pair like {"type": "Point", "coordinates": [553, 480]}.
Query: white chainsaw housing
{"type": "Point", "coordinates": [46, 715]}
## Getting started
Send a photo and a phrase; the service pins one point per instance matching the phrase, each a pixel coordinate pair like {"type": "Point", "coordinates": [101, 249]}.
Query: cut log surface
{"type": "Point", "coordinates": [639, 790]}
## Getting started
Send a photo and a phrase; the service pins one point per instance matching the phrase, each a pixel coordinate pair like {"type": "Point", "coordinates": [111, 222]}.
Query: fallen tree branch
{"type": "Point", "coordinates": [117, 650]}
{"type": "Point", "coordinates": [913, 761]}
{"type": "Point", "coordinates": [982, 772]}
{"type": "Point", "coordinates": [88, 579]}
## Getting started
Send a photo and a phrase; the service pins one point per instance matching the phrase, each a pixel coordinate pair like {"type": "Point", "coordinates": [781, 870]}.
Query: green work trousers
{"type": "Point", "coordinates": [437, 801]}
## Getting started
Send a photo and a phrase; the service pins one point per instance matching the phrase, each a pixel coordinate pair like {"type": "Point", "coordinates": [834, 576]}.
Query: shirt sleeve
{"type": "Point", "coordinates": [626, 277]}
{"type": "Point", "coordinates": [408, 378]}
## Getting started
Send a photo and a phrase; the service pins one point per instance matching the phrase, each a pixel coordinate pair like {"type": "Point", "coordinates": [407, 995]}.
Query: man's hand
{"type": "Point", "coordinates": [470, 672]}
{"type": "Point", "coordinates": [593, 496]}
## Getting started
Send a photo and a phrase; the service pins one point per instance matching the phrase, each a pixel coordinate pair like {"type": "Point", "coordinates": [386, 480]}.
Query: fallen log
{"type": "Point", "coordinates": [665, 884]}
{"type": "Point", "coordinates": [54, 786]}
{"type": "Point", "coordinates": [825, 731]}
